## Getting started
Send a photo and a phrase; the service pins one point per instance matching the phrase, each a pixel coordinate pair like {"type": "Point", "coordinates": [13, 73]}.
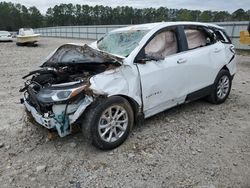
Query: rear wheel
{"type": "Point", "coordinates": [221, 88]}
{"type": "Point", "coordinates": [107, 123]}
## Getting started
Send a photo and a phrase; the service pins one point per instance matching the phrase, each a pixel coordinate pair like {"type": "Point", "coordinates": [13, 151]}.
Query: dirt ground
{"type": "Point", "coordinates": [194, 145]}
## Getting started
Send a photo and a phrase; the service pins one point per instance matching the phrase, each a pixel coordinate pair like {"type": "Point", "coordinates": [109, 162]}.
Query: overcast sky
{"type": "Point", "coordinates": [228, 5]}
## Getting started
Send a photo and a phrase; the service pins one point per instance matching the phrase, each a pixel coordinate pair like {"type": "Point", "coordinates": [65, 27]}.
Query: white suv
{"type": "Point", "coordinates": [129, 74]}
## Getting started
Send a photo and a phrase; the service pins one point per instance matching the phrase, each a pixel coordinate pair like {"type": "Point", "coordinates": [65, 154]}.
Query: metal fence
{"type": "Point", "coordinates": [82, 32]}
{"type": "Point", "coordinates": [96, 31]}
{"type": "Point", "coordinates": [233, 30]}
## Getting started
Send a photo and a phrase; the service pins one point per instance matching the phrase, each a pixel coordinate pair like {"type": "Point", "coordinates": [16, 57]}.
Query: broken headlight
{"type": "Point", "coordinates": [49, 95]}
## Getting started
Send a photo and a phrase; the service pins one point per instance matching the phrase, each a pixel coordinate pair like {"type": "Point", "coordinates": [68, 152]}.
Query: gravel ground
{"type": "Point", "coordinates": [194, 145]}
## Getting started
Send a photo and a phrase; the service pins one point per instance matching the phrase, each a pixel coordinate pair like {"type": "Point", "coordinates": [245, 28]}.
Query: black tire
{"type": "Point", "coordinates": [214, 98]}
{"type": "Point", "coordinates": [19, 44]}
{"type": "Point", "coordinates": [92, 116]}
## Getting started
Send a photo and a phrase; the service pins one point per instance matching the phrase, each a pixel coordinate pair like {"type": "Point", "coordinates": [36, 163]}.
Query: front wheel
{"type": "Point", "coordinates": [107, 123]}
{"type": "Point", "coordinates": [221, 87]}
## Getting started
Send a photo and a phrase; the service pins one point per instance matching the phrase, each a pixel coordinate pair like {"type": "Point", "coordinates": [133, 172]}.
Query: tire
{"type": "Point", "coordinates": [97, 122]}
{"type": "Point", "coordinates": [223, 81]}
{"type": "Point", "coordinates": [19, 44]}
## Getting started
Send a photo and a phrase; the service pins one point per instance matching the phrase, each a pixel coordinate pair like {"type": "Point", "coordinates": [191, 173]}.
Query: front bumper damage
{"type": "Point", "coordinates": [58, 94]}
{"type": "Point", "coordinates": [62, 117]}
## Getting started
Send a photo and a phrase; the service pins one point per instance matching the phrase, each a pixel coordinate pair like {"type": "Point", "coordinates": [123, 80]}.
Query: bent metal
{"type": "Point", "coordinates": [131, 73]}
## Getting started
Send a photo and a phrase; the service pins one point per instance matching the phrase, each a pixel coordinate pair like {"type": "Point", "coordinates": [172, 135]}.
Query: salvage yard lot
{"type": "Point", "coordinates": [193, 145]}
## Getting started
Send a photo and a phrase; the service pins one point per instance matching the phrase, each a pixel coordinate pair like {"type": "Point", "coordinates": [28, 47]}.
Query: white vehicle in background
{"type": "Point", "coordinates": [129, 74]}
{"type": "Point", "coordinates": [5, 36]}
{"type": "Point", "coordinates": [26, 36]}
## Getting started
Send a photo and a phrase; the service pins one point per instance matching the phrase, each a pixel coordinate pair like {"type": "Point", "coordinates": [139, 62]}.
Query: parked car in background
{"type": "Point", "coordinates": [26, 36]}
{"type": "Point", "coordinates": [13, 34]}
{"type": "Point", "coordinates": [129, 74]}
{"type": "Point", "coordinates": [5, 36]}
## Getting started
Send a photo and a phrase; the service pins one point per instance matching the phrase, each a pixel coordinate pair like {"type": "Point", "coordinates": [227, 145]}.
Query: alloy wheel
{"type": "Point", "coordinates": [113, 123]}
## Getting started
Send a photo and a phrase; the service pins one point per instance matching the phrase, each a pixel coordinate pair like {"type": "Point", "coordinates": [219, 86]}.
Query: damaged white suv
{"type": "Point", "coordinates": [129, 74]}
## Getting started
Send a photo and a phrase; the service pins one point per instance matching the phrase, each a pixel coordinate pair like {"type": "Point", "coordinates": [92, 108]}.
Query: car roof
{"type": "Point", "coordinates": [159, 25]}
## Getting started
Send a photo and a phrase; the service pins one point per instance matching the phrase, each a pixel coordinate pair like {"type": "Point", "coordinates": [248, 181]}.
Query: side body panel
{"type": "Point", "coordinates": [163, 84]}
{"type": "Point", "coordinates": [203, 65]}
{"type": "Point", "coordinates": [123, 80]}
{"type": "Point", "coordinates": [159, 85]}
{"type": "Point", "coordinates": [232, 65]}
{"type": "Point", "coordinates": [229, 51]}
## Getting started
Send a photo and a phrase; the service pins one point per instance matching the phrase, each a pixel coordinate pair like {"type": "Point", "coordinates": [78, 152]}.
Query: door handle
{"type": "Point", "coordinates": [216, 50]}
{"type": "Point", "coordinates": [182, 60]}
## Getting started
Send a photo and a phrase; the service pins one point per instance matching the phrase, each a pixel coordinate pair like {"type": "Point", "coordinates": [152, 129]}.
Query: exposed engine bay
{"type": "Point", "coordinates": [71, 63]}
{"type": "Point", "coordinates": [58, 93]}
{"type": "Point", "coordinates": [63, 73]}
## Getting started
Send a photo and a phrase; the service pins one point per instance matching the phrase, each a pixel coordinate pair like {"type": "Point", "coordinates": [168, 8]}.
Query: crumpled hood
{"type": "Point", "coordinates": [76, 53]}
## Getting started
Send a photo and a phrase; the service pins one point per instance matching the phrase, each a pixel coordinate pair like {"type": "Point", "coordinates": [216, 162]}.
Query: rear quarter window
{"type": "Point", "coordinates": [195, 38]}
{"type": "Point", "coordinates": [198, 37]}
{"type": "Point", "coordinates": [222, 36]}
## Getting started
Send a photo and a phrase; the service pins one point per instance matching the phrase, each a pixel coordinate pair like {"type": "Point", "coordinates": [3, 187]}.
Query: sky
{"type": "Point", "coordinates": [228, 5]}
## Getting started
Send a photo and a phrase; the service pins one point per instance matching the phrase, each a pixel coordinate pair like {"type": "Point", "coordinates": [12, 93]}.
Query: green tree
{"type": "Point", "coordinates": [240, 15]}
{"type": "Point", "coordinates": [36, 18]}
{"type": "Point", "coordinates": [221, 16]}
{"type": "Point", "coordinates": [206, 16]}
{"type": "Point", "coordinates": [49, 18]}
{"type": "Point", "coordinates": [184, 15]}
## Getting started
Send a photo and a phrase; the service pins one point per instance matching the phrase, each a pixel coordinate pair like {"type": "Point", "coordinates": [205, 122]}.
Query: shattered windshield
{"type": "Point", "coordinates": [121, 43]}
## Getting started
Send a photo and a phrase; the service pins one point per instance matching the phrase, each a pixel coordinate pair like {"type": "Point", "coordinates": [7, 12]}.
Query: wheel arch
{"type": "Point", "coordinates": [135, 106]}
{"type": "Point", "coordinates": [224, 68]}
{"type": "Point", "coordinates": [138, 115]}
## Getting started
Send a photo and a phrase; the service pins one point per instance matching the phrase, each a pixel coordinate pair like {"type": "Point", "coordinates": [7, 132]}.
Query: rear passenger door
{"type": "Point", "coordinates": [203, 55]}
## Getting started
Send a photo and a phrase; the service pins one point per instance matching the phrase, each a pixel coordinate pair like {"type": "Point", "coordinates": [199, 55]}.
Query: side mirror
{"type": "Point", "coordinates": [141, 61]}
{"type": "Point", "coordinates": [141, 57]}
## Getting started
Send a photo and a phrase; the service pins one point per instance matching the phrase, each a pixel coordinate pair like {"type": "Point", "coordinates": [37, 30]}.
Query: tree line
{"type": "Point", "coordinates": [15, 16]}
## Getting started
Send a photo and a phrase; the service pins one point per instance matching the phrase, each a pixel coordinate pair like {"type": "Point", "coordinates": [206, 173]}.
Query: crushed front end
{"type": "Point", "coordinates": [58, 94]}
{"type": "Point", "coordinates": [56, 106]}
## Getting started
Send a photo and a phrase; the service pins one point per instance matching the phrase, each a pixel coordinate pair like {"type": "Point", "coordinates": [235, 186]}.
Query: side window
{"type": "Point", "coordinates": [162, 45]}
{"type": "Point", "coordinates": [222, 36]}
{"type": "Point", "coordinates": [198, 37]}
{"type": "Point", "coordinates": [195, 38]}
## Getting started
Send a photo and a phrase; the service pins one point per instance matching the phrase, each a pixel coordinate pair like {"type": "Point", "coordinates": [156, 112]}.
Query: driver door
{"type": "Point", "coordinates": [163, 76]}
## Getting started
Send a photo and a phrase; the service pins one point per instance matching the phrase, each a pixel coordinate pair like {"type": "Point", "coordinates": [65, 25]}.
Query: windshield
{"type": "Point", "coordinates": [121, 43]}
